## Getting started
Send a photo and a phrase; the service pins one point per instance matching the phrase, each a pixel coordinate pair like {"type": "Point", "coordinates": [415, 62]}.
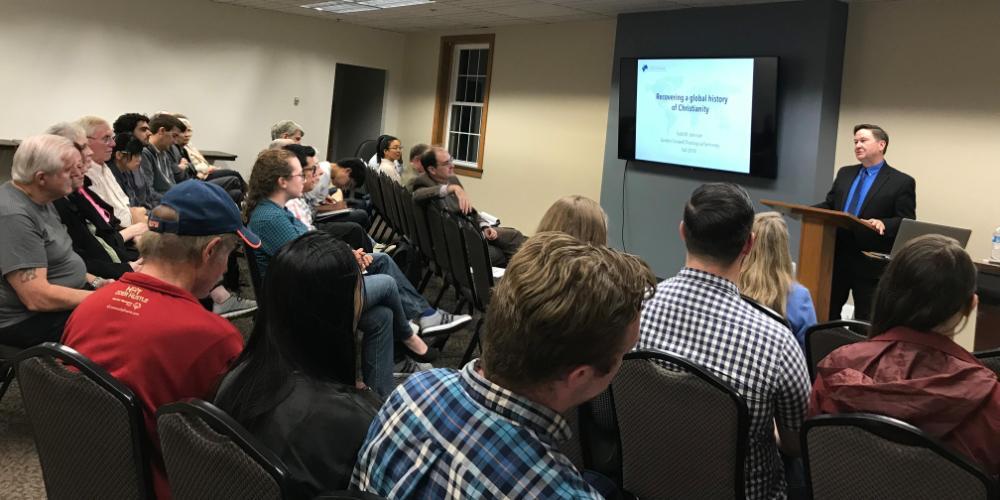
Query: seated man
{"type": "Point", "coordinates": [559, 323]}
{"type": "Point", "coordinates": [43, 279]}
{"type": "Point", "coordinates": [439, 183]}
{"type": "Point", "coordinates": [148, 329]}
{"type": "Point", "coordinates": [101, 178]}
{"type": "Point", "coordinates": [413, 168]}
{"type": "Point", "coordinates": [160, 166]}
{"type": "Point", "coordinates": [348, 173]}
{"type": "Point", "coordinates": [700, 315]}
{"type": "Point", "coordinates": [349, 232]}
{"type": "Point", "coordinates": [124, 163]}
{"type": "Point", "coordinates": [97, 235]}
{"type": "Point", "coordinates": [287, 129]}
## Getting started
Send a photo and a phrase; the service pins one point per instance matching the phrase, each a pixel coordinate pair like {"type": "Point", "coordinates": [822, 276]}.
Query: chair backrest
{"type": "Point", "coordinates": [824, 338]}
{"type": "Point", "coordinates": [423, 232]}
{"type": "Point", "coordinates": [209, 455]}
{"type": "Point", "coordinates": [771, 313]}
{"type": "Point", "coordinates": [676, 420]}
{"type": "Point", "coordinates": [872, 456]}
{"type": "Point", "coordinates": [385, 184]}
{"type": "Point", "coordinates": [366, 149]}
{"type": "Point", "coordinates": [990, 358]}
{"type": "Point", "coordinates": [479, 262]}
{"type": "Point", "coordinates": [88, 426]}
{"type": "Point", "coordinates": [460, 269]}
{"type": "Point", "coordinates": [404, 201]}
{"type": "Point", "coordinates": [256, 280]}
{"type": "Point", "coordinates": [435, 226]}
{"type": "Point", "coordinates": [375, 192]}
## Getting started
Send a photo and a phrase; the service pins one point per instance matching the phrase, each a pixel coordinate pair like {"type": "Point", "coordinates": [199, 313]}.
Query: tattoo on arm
{"type": "Point", "coordinates": [26, 275]}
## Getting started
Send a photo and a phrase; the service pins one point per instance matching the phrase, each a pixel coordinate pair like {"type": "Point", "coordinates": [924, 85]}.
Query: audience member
{"type": "Point", "coordinates": [413, 168]}
{"type": "Point", "coordinates": [390, 150]}
{"type": "Point", "coordinates": [136, 124]}
{"type": "Point", "coordinates": [183, 349]}
{"type": "Point", "coordinates": [190, 153]}
{"type": "Point", "coordinates": [439, 183]}
{"type": "Point", "coordinates": [100, 179]}
{"type": "Point", "coordinates": [276, 178]}
{"type": "Point", "coordinates": [577, 216]}
{"type": "Point", "coordinates": [125, 160]}
{"type": "Point", "coordinates": [349, 173]}
{"type": "Point", "coordinates": [97, 235]}
{"type": "Point", "coordinates": [43, 279]}
{"type": "Point", "coordinates": [349, 232]}
{"type": "Point", "coordinates": [911, 368]}
{"type": "Point", "coordinates": [287, 129]}
{"type": "Point", "coordinates": [700, 315]}
{"type": "Point", "coordinates": [559, 323]}
{"type": "Point", "coordinates": [766, 275]}
{"type": "Point", "coordinates": [296, 379]}
{"type": "Point", "coordinates": [197, 167]}
{"type": "Point", "coordinates": [160, 167]}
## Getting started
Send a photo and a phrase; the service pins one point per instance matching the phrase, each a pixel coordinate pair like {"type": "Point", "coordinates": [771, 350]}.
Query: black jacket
{"type": "Point", "coordinates": [77, 214]}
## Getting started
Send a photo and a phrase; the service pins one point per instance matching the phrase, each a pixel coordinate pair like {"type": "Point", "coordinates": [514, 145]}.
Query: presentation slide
{"type": "Point", "coordinates": [694, 112]}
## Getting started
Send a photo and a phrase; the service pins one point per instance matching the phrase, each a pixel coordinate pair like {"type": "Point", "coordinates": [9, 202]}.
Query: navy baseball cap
{"type": "Point", "coordinates": [203, 209]}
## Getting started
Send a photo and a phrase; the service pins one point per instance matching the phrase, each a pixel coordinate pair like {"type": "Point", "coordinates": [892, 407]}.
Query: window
{"type": "Point", "coordinates": [463, 99]}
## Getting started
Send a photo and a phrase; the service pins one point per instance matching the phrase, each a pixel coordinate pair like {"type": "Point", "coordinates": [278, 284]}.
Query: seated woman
{"type": "Point", "coordinates": [577, 216]}
{"type": "Point", "coordinates": [294, 386]}
{"type": "Point", "coordinates": [390, 150]}
{"type": "Point", "coordinates": [43, 279]}
{"type": "Point", "coordinates": [126, 157]}
{"type": "Point", "coordinates": [766, 275]}
{"type": "Point", "coordinates": [276, 178]}
{"type": "Point", "coordinates": [911, 368]}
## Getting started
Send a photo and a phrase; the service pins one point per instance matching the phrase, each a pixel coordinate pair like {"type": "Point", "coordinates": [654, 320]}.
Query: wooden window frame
{"type": "Point", "coordinates": [443, 97]}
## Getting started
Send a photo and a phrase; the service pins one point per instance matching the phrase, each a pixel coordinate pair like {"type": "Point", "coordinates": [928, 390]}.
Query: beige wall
{"type": "Point", "coordinates": [547, 117]}
{"type": "Point", "coordinates": [234, 71]}
{"type": "Point", "coordinates": [928, 72]}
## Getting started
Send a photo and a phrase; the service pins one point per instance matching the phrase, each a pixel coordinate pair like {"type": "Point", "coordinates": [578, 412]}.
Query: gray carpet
{"type": "Point", "coordinates": [20, 472]}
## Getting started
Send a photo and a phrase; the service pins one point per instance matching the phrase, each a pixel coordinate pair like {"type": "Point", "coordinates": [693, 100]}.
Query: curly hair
{"type": "Point", "coordinates": [271, 165]}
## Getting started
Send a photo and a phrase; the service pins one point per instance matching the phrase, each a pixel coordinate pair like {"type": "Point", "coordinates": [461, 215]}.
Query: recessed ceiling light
{"type": "Point", "coordinates": [348, 6]}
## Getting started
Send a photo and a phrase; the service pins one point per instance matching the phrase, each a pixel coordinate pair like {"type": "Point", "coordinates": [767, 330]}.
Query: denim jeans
{"type": "Point", "coordinates": [376, 348]}
{"type": "Point", "coordinates": [414, 304]}
{"type": "Point", "coordinates": [380, 290]}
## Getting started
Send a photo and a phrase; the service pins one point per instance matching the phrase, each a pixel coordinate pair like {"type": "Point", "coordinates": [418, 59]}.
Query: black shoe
{"type": "Point", "coordinates": [427, 357]}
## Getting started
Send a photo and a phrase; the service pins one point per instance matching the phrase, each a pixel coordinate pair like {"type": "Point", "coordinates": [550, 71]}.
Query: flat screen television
{"type": "Point", "coordinates": [708, 113]}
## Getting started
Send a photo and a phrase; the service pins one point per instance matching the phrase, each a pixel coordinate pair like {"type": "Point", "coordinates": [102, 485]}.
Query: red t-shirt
{"type": "Point", "coordinates": [159, 341]}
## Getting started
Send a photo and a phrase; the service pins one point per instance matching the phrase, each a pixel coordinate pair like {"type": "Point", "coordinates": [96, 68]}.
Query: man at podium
{"type": "Point", "coordinates": [879, 195]}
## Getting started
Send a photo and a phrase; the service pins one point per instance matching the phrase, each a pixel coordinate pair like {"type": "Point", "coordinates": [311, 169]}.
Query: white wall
{"type": "Point", "coordinates": [547, 118]}
{"type": "Point", "coordinates": [233, 70]}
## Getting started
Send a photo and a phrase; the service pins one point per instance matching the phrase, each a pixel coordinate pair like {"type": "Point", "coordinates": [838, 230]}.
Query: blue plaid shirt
{"type": "Point", "coordinates": [454, 434]}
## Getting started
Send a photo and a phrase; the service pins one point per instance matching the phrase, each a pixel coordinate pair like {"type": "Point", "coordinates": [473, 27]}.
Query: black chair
{"type": "Point", "coordinates": [366, 149]}
{"type": "Point", "coordinates": [872, 456]}
{"type": "Point", "coordinates": [88, 426]}
{"type": "Point", "coordinates": [209, 455]}
{"type": "Point", "coordinates": [683, 431]}
{"type": "Point", "coordinates": [424, 243]}
{"type": "Point", "coordinates": [989, 358]}
{"type": "Point", "coordinates": [482, 279]}
{"type": "Point", "coordinates": [824, 338]}
{"type": "Point", "coordinates": [381, 225]}
{"type": "Point", "coordinates": [256, 280]}
{"type": "Point", "coordinates": [435, 227]}
{"type": "Point", "coordinates": [771, 313]}
{"type": "Point", "coordinates": [7, 353]}
{"type": "Point", "coordinates": [460, 267]}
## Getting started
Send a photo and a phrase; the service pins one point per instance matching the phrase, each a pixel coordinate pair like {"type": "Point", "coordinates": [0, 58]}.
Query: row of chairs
{"type": "Point", "coordinates": [90, 436]}
{"type": "Point", "coordinates": [450, 247]}
{"type": "Point", "coordinates": [668, 428]}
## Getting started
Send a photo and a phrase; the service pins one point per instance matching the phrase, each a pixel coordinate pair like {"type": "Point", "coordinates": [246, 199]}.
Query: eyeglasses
{"type": "Point", "coordinates": [397, 148]}
{"type": "Point", "coordinates": [297, 175]}
{"type": "Point", "coordinates": [108, 139]}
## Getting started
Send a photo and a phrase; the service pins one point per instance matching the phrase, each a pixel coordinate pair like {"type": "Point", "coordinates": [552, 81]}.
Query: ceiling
{"type": "Point", "coordinates": [472, 14]}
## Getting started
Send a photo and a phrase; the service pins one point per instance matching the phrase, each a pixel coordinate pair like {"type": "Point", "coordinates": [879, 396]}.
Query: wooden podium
{"type": "Point", "coordinates": [819, 233]}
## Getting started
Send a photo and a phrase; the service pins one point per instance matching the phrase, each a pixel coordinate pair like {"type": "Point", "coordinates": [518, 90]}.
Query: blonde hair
{"type": "Point", "coordinates": [766, 275]}
{"type": "Point", "coordinates": [175, 248]}
{"type": "Point", "coordinates": [577, 216]}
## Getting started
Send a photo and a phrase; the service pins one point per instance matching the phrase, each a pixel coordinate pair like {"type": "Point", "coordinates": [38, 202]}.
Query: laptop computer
{"type": "Point", "coordinates": [910, 229]}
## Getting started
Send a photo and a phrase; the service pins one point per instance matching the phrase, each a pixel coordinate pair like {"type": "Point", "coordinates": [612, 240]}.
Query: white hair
{"type": "Point", "coordinates": [90, 123]}
{"type": "Point", "coordinates": [69, 130]}
{"type": "Point", "coordinates": [41, 153]}
{"type": "Point", "coordinates": [285, 127]}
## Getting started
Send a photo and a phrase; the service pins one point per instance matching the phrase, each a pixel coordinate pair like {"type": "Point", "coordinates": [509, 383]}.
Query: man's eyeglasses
{"type": "Point", "coordinates": [108, 139]}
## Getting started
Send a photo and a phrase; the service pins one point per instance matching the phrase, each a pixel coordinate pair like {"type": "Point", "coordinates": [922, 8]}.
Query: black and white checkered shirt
{"type": "Point", "coordinates": [701, 316]}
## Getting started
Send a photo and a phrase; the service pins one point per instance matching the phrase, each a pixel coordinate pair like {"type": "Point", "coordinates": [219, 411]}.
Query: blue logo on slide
{"type": "Point", "coordinates": [645, 67]}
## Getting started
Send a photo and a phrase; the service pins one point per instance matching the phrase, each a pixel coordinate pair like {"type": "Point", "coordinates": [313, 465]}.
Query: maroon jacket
{"type": "Point", "coordinates": [924, 379]}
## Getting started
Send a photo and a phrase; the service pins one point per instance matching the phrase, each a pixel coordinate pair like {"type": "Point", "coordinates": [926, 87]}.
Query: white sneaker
{"type": "Point", "coordinates": [234, 306]}
{"type": "Point", "coordinates": [442, 320]}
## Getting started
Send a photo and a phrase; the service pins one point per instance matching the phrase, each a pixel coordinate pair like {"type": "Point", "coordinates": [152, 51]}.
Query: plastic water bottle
{"type": "Point", "coordinates": [995, 256]}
